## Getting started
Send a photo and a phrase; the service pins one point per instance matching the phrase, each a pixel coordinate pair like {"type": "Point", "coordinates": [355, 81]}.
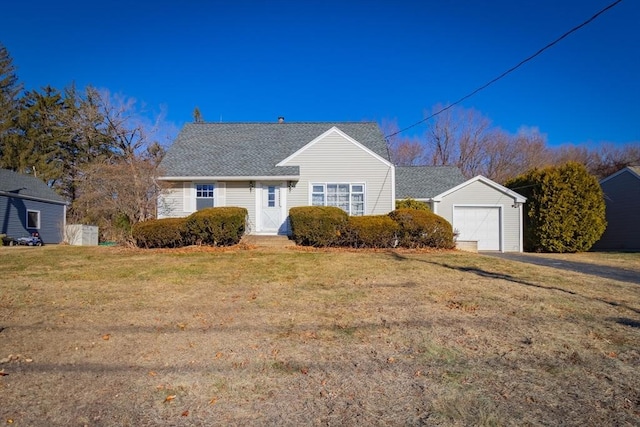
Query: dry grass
{"type": "Point", "coordinates": [108, 336]}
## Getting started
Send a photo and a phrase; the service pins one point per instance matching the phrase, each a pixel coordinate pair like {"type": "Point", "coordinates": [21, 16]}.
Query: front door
{"type": "Point", "coordinates": [271, 207]}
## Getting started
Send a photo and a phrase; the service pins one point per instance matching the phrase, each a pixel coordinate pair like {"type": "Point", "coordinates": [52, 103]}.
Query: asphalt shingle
{"type": "Point", "coordinates": [425, 182]}
{"type": "Point", "coordinates": [254, 149]}
{"type": "Point", "coordinates": [27, 185]}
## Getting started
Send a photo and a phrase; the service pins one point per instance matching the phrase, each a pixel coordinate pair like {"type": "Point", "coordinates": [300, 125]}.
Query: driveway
{"type": "Point", "coordinates": [546, 260]}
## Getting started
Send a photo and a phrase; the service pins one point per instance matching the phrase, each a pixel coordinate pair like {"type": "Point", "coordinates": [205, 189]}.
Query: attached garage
{"type": "Point", "coordinates": [483, 211]}
{"type": "Point", "coordinates": [480, 224]}
{"type": "Point", "coordinates": [485, 214]}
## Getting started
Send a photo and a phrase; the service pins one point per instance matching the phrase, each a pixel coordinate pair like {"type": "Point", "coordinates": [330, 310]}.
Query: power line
{"type": "Point", "coordinates": [510, 70]}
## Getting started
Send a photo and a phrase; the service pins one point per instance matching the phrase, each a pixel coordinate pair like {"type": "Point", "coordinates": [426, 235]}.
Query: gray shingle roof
{"type": "Point", "coordinates": [254, 149]}
{"type": "Point", "coordinates": [27, 186]}
{"type": "Point", "coordinates": [425, 182]}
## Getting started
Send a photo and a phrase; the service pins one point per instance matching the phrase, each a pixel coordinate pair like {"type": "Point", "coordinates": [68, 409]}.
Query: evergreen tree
{"type": "Point", "coordinates": [565, 209]}
{"type": "Point", "coordinates": [10, 88]}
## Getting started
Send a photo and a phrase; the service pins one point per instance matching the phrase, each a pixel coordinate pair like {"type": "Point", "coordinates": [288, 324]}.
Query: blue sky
{"type": "Point", "coordinates": [344, 60]}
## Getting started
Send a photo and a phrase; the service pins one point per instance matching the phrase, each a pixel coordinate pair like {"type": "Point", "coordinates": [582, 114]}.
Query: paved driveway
{"type": "Point", "coordinates": [604, 271]}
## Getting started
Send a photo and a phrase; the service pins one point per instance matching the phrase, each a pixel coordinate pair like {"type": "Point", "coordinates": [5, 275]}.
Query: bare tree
{"type": "Point", "coordinates": [403, 151]}
{"type": "Point", "coordinates": [459, 137]}
{"type": "Point", "coordinates": [122, 190]}
{"type": "Point", "coordinates": [508, 156]}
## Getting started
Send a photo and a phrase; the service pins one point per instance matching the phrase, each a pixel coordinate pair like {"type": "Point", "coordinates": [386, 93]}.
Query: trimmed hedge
{"type": "Point", "coordinates": [412, 204]}
{"type": "Point", "coordinates": [160, 233]}
{"type": "Point", "coordinates": [323, 226]}
{"type": "Point", "coordinates": [211, 226]}
{"type": "Point", "coordinates": [419, 229]}
{"type": "Point", "coordinates": [373, 231]}
{"type": "Point", "coordinates": [318, 226]}
{"type": "Point", "coordinates": [217, 226]}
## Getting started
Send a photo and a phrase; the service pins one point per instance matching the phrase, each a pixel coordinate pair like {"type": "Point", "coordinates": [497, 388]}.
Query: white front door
{"type": "Point", "coordinates": [271, 206]}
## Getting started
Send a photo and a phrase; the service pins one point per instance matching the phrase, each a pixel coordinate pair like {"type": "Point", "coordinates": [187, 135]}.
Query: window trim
{"type": "Point", "coordinates": [337, 184]}
{"type": "Point", "coordinates": [208, 188]}
{"type": "Point", "coordinates": [38, 221]}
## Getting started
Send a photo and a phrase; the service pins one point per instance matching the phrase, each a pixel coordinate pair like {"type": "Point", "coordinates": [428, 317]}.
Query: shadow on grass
{"type": "Point", "coordinates": [625, 321]}
{"type": "Point", "coordinates": [509, 278]}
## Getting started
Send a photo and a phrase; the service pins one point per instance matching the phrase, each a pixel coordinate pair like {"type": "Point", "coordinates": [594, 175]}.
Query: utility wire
{"type": "Point", "coordinates": [510, 70]}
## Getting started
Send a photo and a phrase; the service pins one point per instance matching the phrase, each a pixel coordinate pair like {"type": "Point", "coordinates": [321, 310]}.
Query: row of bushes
{"type": "Point", "coordinates": [211, 226]}
{"type": "Point", "coordinates": [406, 227]}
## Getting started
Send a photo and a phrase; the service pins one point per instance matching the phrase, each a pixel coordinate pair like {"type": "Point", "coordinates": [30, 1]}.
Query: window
{"type": "Point", "coordinates": [33, 219]}
{"type": "Point", "coordinates": [348, 197]}
{"type": "Point", "coordinates": [271, 196]}
{"type": "Point", "coordinates": [204, 196]}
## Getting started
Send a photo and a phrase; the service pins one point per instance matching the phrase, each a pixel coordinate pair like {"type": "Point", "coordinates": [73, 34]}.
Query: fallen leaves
{"type": "Point", "coordinates": [15, 358]}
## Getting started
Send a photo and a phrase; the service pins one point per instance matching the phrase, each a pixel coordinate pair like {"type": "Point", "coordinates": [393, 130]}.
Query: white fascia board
{"type": "Point", "coordinates": [345, 136]}
{"type": "Point", "coordinates": [620, 172]}
{"type": "Point", "coordinates": [231, 178]}
{"type": "Point", "coordinates": [518, 197]}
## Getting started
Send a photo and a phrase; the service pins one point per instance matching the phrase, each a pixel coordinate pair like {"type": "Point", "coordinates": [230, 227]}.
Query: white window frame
{"type": "Point", "coordinates": [37, 227]}
{"type": "Point", "coordinates": [205, 193]}
{"type": "Point", "coordinates": [314, 186]}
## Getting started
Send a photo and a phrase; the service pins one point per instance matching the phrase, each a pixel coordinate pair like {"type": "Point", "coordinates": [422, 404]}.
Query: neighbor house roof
{"type": "Point", "coordinates": [15, 184]}
{"type": "Point", "coordinates": [634, 170]}
{"type": "Point", "coordinates": [425, 182]}
{"type": "Point", "coordinates": [254, 149]}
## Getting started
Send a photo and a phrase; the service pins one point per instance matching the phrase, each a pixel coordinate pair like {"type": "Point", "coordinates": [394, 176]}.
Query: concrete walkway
{"type": "Point", "coordinates": [267, 241]}
{"type": "Point", "coordinates": [604, 271]}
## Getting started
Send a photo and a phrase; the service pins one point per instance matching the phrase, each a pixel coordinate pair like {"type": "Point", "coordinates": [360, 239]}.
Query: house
{"type": "Point", "coordinates": [28, 205]}
{"type": "Point", "coordinates": [479, 209]}
{"type": "Point", "coordinates": [622, 200]}
{"type": "Point", "coordinates": [268, 168]}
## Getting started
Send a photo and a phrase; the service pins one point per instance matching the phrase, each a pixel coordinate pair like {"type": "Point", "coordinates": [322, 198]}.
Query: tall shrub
{"type": "Point", "coordinates": [160, 233]}
{"type": "Point", "coordinates": [318, 225]}
{"type": "Point", "coordinates": [222, 226]}
{"type": "Point", "coordinates": [412, 204]}
{"type": "Point", "coordinates": [420, 228]}
{"type": "Point", "coordinates": [565, 209]}
{"type": "Point", "coordinates": [372, 231]}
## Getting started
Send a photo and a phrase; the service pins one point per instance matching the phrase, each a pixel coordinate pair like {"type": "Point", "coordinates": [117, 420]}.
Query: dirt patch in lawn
{"type": "Point", "coordinates": [109, 336]}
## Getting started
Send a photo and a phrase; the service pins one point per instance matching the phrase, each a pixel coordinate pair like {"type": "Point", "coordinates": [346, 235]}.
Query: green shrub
{"type": "Point", "coordinates": [319, 226]}
{"type": "Point", "coordinates": [372, 231]}
{"type": "Point", "coordinates": [412, 204]}
{"type": "Point", "coordinates": [223, 226]}
{"type": "Point", "coordinates": [419, 229]}
{"type": "Point", "coordinates": [160, 233]}
{"type": "Point", "coordinates": [565, 208]}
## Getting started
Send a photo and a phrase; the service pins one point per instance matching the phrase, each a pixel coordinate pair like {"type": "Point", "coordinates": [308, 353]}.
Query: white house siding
{"type": "Point", "coordinates": [335, 159]}
{"type": "Point", "coordinates": [238, 195]}
{"type": "Point", "coordinates": [171, 201]}
{"type": "Point", "coordinates": [480, 194]}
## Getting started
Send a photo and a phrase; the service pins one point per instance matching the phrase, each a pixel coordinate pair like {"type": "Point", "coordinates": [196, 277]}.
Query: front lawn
{"type": "Point", "coordinates": [197, 336]}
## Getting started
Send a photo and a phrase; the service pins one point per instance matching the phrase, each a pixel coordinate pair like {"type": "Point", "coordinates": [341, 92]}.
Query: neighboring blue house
{"type": "Point", "coordinates": [28, 205]}
{"type": "Point", "coordinates": [622, 199]}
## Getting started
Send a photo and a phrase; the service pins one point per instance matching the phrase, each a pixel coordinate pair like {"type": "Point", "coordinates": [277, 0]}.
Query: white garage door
{"type": "Point", "coordinates": [478, 223]}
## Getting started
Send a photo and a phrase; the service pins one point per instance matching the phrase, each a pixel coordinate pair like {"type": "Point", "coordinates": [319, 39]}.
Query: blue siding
{"type": "Point", "coordinates": [13, 218]}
